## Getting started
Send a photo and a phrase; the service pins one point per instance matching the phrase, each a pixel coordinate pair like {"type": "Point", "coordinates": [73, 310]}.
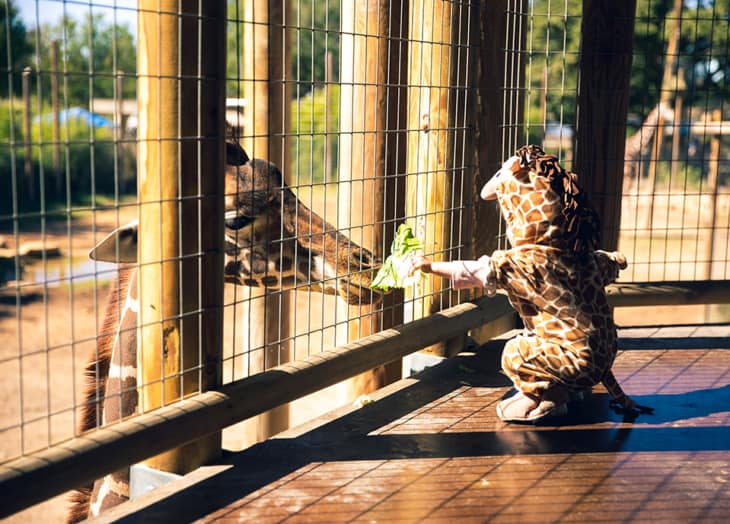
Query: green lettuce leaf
{"type": "Point", "coordinates": [393, 274]}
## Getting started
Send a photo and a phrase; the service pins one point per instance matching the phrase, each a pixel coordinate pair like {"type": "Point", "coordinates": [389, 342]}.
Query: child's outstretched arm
{"type": "Point", "coordinates": [463, 274]}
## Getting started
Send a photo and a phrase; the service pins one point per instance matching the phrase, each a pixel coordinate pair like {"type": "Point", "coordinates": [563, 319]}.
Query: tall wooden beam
{"type": "Point", "coordinates": [371, 157]}
{"type": "Point", "coordinates": [498, 75]}
{"type": "Point", "coordinates": [493, 66]}
{"type": "Point", "coordinates": [667, 90]}
{"type": "Point", "coordinates": [180, 191]}
{"type": "Point", "coordinates": [265, 65]}
{"type": "Point", "coordinates": [430, 146]}
{"type": "Point", "coordinates": [607, 36]}
{"type": "Point", "coordinates": [55, 119]}
{"type": "Point", "coordinates": [28, 177]}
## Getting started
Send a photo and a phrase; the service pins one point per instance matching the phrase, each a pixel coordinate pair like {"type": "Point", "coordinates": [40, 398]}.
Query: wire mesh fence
{"type": "Point", "coordinates": [675, 200]}
{"type": "Point", "coordinates": [361, 116]}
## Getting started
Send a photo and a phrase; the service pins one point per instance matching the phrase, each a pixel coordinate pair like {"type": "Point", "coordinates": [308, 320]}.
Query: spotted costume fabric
{"type": "Point", "coordinates": [553, 276]}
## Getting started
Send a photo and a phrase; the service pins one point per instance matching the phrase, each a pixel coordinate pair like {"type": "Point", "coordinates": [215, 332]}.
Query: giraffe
{"type": "Point", "coordinates": [637, 145]}
{"type": "Point", "coordinates": [272, 240]}
{"type": "Point", "coordinates": [555, 278]}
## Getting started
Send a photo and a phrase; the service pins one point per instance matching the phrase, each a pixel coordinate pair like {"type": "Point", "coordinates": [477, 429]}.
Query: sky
{"type": "Point", "coordinates": [35, 12]}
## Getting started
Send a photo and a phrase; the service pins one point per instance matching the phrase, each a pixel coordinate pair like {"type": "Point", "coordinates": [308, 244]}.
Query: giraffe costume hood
{"type": "Point", "coordinates": [554, 277]}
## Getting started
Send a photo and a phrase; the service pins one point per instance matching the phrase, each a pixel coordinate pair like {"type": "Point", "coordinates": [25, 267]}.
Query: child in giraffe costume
{"type": "Point", "coordinates": [555, 278]}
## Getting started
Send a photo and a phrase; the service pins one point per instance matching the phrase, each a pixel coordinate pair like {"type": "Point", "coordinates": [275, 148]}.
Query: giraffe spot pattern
{"type": "Point", "coordinates": [571, 334]}
{"type": "Point", "coordinates": [283, 264]}
{"type": "Point", "coordinates": [270, 281]}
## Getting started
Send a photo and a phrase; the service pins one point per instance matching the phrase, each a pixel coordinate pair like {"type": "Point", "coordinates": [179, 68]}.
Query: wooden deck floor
{"type": "Point", "coordinates": [431, 449]}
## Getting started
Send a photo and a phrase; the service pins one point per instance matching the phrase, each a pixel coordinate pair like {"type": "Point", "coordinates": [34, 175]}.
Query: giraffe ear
{"type": "Point", "coordinates": [119, 246]}
{"type": "Point", "coordinates": [235, 154]}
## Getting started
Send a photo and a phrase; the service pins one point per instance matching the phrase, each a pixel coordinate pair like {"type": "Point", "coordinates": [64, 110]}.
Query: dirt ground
{"type": "Point", "coordinates": [48, 334]}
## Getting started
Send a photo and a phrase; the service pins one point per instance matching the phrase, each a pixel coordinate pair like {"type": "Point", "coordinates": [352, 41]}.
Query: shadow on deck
{"type": "Point", "coordinates": [431, 449]}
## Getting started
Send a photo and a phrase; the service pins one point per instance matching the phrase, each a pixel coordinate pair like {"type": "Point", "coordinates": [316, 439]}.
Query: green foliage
{"type": "Point", "coordinates": [393, 274]}
{"type": "Point", "coordinates": [91, 52]}
{"type": "Point", "coordinates": [13, 33]}
{"type": "Point", "coordinates": [318, 32]}
{"type": "Point", "coordinates": [704, 56]}
{"type": "Point", "coordinates": [647, 69]}
{"type": "Point", "coordinates": [553, 44]}
{"type": "Point", "coordinates": [87, 163]}
{"type": "Point", "coordinates": [308, 124]}
{"type": "Point", "coordinates": [315, 27]}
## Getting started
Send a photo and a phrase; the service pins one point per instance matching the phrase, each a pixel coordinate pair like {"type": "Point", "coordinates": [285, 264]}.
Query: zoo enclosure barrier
{"type": "Point", "coordinates": [439, 102]}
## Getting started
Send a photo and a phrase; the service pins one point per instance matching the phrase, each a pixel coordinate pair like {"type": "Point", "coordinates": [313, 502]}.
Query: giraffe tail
{"type": "Point", "coordinates": [79, 500]}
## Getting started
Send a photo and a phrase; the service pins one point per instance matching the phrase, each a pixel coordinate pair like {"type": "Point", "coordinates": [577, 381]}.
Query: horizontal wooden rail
{"type": "Point", "coordinates": [28, 480]}
{"type": "Point", "coordinates": [669, 293]}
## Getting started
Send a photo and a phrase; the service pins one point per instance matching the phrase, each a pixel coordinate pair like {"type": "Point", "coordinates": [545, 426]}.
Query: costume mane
{"type": "Point", "coordinates": [582, 230]}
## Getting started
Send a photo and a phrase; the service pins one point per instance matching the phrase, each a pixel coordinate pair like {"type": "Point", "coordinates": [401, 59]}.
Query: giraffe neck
{"type": "Point", "coordinates": [648, 128]}
{"type": "Point", "coordinates": [120, 398]}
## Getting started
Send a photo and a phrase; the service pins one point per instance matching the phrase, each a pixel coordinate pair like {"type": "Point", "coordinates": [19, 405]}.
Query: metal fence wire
{"type": "Point", "coordinates": [345, 119]}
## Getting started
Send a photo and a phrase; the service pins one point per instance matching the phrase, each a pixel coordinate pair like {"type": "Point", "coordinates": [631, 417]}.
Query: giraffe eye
{"type": "Point", "coordinates": [238, 222]}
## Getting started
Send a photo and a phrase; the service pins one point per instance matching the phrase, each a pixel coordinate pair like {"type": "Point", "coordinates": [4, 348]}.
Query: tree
{"type": "Point", "coordinates": [317, 26]}
{"type": "Point", "coordinates": [553, 44]}
{"type": "Point", "coordinates": [705, 52]}
{"type": "Point", "coordinates": [90, 49]}
{"type": "Point", "coordinates": [650, 43]}
{"type": "Point", "coordinates": [14, 42]}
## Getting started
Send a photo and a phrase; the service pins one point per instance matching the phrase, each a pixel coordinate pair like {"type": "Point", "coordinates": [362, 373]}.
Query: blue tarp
{"type": "Point", "coordinates": [79, 113]}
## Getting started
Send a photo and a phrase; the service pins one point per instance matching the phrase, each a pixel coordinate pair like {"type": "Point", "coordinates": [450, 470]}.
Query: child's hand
{"type": "Point", "coordinates": [419, 262]}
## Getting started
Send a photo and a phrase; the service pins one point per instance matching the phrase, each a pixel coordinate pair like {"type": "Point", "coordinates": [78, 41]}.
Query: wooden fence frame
{"type": "Point", "coordinates": [81, 459]}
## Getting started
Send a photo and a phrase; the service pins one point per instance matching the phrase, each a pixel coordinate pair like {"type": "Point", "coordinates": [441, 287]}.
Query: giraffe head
{"type": "Point", "coordinates": [542, 203]}
{"type": "Point", "coordinates": [272, 240]}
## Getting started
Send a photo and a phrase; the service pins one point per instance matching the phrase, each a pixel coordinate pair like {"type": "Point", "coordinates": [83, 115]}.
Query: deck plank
{"type": "Point", "coordinates": [431, 449]}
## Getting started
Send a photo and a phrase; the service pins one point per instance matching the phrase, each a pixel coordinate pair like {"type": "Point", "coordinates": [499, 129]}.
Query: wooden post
{"type": "Point", "coordinates": [178, 347]}
{"type": "Point", "coordinates": [28, 161]}
{"type": "Point", "coordinates": [712, 186]}
{"type": "Point", "coordinates": [56, 124]}
{"type": "Point", "coordinates": [676, 135]}
{"type": "Point", "coordinates": [605, 68]}
{"type": "Point", "coordinates": [120, 150]}
{"type": "Point", "coordinates": [329, 138]}
{"type": "Point", "coordinates": [432, 171]}
{"type": "Point", "coordinates": [369, 160]}
{"type": "Point", "coordinates": [490, 122]}
{"type": "Point", "coordinates": [490, 119]}
{"type": "Point", "coordinates": [266, 65]}
{"type": "Point", "coordinates": [666, 91]}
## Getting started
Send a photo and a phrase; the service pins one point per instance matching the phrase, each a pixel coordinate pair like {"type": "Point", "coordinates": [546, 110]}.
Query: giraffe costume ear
{"type": "Point", "coordinates": [119, 246]}
{"type": "Point", "coordinates": [529, 155]}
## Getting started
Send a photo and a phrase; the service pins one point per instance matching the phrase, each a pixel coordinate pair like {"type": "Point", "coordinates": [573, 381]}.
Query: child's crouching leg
{"type": "Point", "coordinates": [537, 397]}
